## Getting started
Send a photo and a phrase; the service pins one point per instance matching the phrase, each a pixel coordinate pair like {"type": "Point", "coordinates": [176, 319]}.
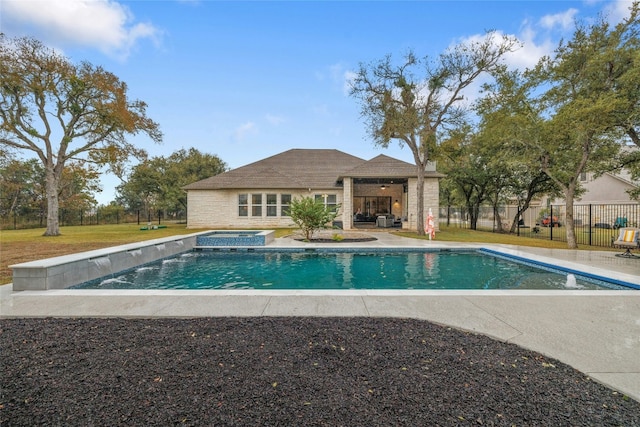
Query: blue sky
{"type": "Point", "coordinates": [249, 79]}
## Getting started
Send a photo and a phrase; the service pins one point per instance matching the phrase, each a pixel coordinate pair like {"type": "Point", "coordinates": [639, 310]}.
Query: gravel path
{"type": "Point", "coordinates": [286, 372]}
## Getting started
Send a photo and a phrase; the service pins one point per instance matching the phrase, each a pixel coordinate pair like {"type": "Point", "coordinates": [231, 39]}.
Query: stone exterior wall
{"type": "Point", "coordinates": [431, 201]}
{"type": "Point", "coordinates": [219, 208]}
{"type": "Point", "coordinates": [347, 208]}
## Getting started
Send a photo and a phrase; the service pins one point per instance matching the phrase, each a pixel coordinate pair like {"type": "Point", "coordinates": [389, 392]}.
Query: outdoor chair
{"type": "Point", "coordinates": [621, 222]}
{"type": "Point", "coordinates": [384, 221]}
{"type": "Point", "coordinates": [629, 238]}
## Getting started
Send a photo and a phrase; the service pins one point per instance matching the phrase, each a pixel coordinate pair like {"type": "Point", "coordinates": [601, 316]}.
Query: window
{"type": "Point", "coordinates": [243, 205]}
{"type": "Point", "coordinates": [329, 200]}
{"type": "Point", "coordinates": [285, 201]}
{"type": "Point", "coordinates": [272, 205]}
{"type": "Point", "coordinates": [256, 205]}
{"type": "Point", "coordinates": [583, 176]}
{"type": "Point", "coordinates": [332, 202]}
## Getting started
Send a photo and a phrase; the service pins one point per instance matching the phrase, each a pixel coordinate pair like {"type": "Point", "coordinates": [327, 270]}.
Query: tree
{"type": "Point", "coordinates": [466, 172]}
{"type": "Point", "coordinates": [142, 189]}
{"type": "Point", "coordinates": [399, 105]}
{"type": "Point", "coordinates": [158, 182]}
{"type": "Point", "coordinates": [21, 183]}
{"type": "Point", "coordinates": [184, 167]}
{"type": "Point", "coordinates": [62, 112]}
{"type": "Point", "coordinates": [23, 188]}
{"type": "Point", "coordinates": [78, 183]}
{"type": "Point", "coordinates": [511, 123]}
{"type": "Point", "coordinates": [311, 215]}
{"type": "Point", "coordinates": [591, 103]}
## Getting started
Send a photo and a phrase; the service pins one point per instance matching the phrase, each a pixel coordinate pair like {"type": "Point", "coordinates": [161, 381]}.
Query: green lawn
{"type": "Point", "coordinates": [456, 234]}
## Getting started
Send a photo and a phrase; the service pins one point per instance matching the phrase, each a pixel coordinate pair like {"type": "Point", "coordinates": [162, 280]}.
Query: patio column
{"type": "Point", "coordinates": [347, 204]}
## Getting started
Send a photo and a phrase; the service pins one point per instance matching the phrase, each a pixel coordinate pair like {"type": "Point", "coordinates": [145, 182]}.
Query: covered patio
{"type": "Point", "coordinates": [382, 193]}
{"type": "Point", "coordinates": [379, 202]}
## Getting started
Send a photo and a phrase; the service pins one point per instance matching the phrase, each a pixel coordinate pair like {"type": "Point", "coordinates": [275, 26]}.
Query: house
{"type": "Point", "coordinates": [258, 195]}
{"type": "Point", "coordinates": [605, 202]}
{"type": "Point", "coordinates": [606, 188]}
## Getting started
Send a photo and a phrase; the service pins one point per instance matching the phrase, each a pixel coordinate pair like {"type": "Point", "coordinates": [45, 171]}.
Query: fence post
{"type": "Point", "coordinates": [590, 230]}
{"type": "Point", "coordinates": [551, 222]}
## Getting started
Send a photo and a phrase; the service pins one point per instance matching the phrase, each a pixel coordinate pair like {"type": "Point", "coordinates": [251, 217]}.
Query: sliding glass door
{"type": "Point", "coordinates": [372, 206]}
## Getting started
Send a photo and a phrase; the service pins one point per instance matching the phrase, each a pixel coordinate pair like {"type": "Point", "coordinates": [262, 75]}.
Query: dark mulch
{"type": "Point", "coordinates": [286, 372]}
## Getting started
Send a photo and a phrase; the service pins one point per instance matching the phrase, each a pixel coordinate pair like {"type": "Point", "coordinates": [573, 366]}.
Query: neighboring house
{"type": "Point", "coordinates": [605, 202]}
{"type": "Point", "coordinates": [608, 188]}
{"type": "Point", "coordinates": [258, 195]}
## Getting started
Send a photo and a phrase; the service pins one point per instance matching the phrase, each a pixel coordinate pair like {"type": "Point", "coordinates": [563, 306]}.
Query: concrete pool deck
{"type": "Point", "coordinates": [596, 332]}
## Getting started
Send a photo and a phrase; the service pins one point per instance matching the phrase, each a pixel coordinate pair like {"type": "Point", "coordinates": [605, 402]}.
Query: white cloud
{"type": "Point", "coordinates": [348, 78]}
{"type": "Point", "coordinates": [531, 50]}
{"type": "Point", "coordinates": [565, 20]}
{"type": "Point", "coordinates": [339, 75]}
{"type": "Point", "coordinates": [616, 11]}
{"type": "Point", "coordinates": [245, 129]}
{"type": "Point", "coordinates": [104, 24]}
{"type": "Point", "coordinates": [275, 120]}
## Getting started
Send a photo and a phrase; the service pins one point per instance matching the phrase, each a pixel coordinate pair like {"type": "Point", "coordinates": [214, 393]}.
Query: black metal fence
{"type": "Point", "coordinates": [595, 224]}
{"type": "Point", "coordinates": [37, 218]}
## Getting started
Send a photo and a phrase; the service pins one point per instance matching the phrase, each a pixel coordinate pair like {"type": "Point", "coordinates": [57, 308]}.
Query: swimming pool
{"type": "Point", "coordinates": [342, 270]}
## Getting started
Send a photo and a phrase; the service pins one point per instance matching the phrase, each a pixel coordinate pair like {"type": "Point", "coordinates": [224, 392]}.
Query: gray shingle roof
{"type": "Point", "coordinates": [306, 168]}
{"type": "Point", "coordinates": [382, 167]}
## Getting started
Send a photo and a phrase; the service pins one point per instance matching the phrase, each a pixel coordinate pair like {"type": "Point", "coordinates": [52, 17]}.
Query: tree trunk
{"type": "Point", "coordinates": [571, 233]}
{"type": "Point", "coordinates": [521, 210]}
{"type": "Point", "coordinates": [473, 216]}
{"type": "Point", "coordinates": [53, 224]}
{"type": "Point", "coordinates": [498, 218]}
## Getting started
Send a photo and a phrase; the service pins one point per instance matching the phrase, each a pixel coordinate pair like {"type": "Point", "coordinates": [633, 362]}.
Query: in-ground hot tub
{"type": "Point", "coordinates": [235, 238]}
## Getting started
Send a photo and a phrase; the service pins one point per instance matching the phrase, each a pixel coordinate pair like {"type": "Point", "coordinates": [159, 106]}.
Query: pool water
{"type": "Point", "coordinates": [341, 270]}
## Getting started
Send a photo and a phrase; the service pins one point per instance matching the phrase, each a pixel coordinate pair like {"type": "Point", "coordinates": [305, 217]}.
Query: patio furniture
{"type": "Point", "coordinates": [385, 221]}
{"type": "Point", "coordinates": [621, 222]}
{"type": "Point", "coordinates": [629, 238]}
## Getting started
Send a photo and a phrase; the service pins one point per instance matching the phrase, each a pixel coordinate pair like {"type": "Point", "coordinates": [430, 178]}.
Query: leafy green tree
{"type": "Point", "coordinates": [157, 183]}
{"type": "Point", "coordinates": [77, 185]}
{"type": "Point", "coordinates": [414, 102]}
{"type": "Point", "coordinates": [111, 211]}
{"type": "Point", "coordinates": [466, 172]}
{"type": "Point", "coordinates": [590, 105]}
{"type": "Point", "coordinates": [311, 215]}
{"type": "Point", "coordinates": [61, 112]}
{"type": "Point", "coordinates": [510, 125]}
{"type": "Point", "coordinates": [22, 186]}
{"type": "Point", "coordinates": [184, 167]}
{"type": "Point", "coordinates": [141, 190]}
{"type": "Point", "coordinates": [630, 160]}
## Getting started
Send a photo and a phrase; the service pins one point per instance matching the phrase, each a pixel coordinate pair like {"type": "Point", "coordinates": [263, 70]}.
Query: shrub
{"type": "Point", "coordinates": [311, 215]}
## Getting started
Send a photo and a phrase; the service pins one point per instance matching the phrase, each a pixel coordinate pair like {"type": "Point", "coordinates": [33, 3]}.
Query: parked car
{"type": "Point", "coordinates": [547, 221]}
{"type": "Point", "coordinates": [602, 225]}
